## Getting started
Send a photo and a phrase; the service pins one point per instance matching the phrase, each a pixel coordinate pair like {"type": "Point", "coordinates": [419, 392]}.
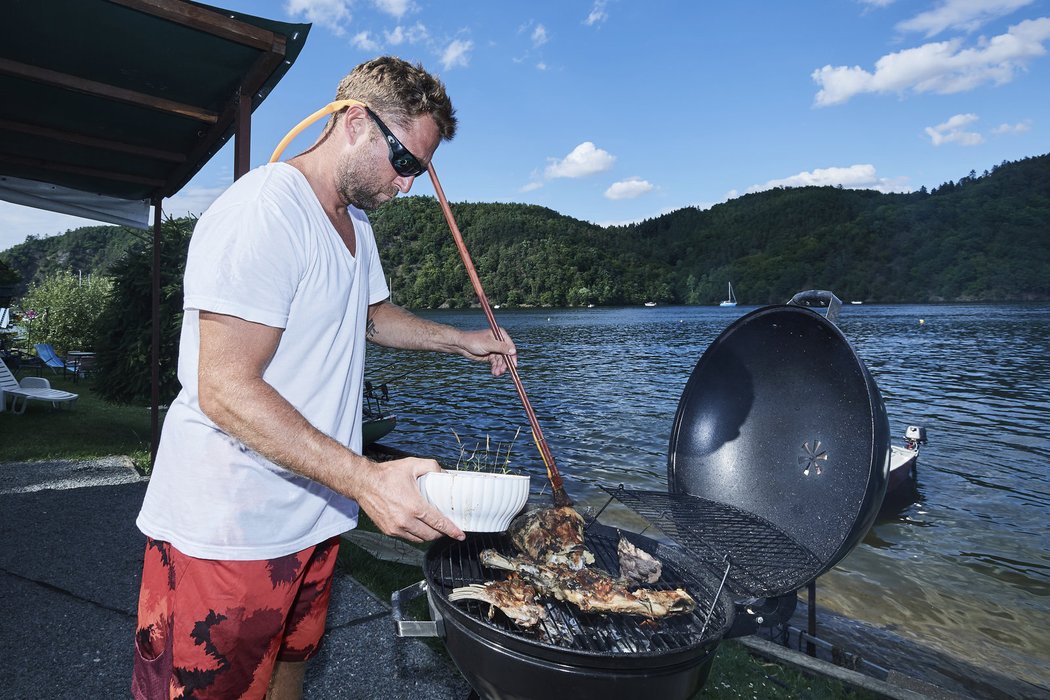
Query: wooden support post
{"type": "Point", "coordinates": [242, 157]}
{"type": "Point", "coordinates": [155, 339]}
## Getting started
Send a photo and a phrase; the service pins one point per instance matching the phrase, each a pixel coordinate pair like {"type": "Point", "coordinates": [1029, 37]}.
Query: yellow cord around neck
{"type": "Point", "coordinates": [330, 108]}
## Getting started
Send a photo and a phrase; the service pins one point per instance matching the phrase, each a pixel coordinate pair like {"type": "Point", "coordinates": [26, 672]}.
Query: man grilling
{"type": "Point", "coordinates": [259, 466]}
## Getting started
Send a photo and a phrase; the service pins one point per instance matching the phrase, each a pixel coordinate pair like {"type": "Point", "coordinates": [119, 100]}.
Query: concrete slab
{"type": "Point", "coordinates": [21, 477]}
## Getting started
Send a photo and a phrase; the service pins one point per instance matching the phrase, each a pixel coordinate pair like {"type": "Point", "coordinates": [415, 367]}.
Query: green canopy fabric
{"type": "Point", "coordinates": [116, 103]}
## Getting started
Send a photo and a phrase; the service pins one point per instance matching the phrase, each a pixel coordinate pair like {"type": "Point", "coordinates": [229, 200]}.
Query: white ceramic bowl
{"type": "Point", "coordinates": [476, 501]}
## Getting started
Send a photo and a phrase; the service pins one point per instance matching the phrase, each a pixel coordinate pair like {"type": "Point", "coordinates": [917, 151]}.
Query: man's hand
{"type": "Point", "coordinates": [391, 498]}
{"type": "Point", "coordinates": [482, 346]}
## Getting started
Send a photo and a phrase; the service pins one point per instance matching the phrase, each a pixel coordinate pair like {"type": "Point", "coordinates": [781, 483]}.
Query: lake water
{"type": "Point", "coordinates": [965, 569]}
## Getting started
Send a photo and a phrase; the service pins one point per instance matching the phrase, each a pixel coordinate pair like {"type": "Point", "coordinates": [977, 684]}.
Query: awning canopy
{"type": "Point", "coordinates": [111, 104]}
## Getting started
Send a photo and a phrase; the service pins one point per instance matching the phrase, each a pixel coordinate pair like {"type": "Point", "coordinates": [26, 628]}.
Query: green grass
{"type": "Point", "coordinates": [95, 428]}
{"type": "Point", "coordinates": [92, 428]}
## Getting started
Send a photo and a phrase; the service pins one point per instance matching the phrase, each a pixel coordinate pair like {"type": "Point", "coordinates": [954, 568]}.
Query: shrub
{"type": "Point", "coordinates": [66, 307]}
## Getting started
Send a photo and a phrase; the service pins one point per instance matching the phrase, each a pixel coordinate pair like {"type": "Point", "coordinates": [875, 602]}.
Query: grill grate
{"type": "Point", "coordinates": [566, 626]}
{"type": "Point", "coordinates": [765, 560]}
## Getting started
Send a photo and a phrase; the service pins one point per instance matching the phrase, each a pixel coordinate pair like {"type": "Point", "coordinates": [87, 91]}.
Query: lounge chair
{"type": "Point", "coordinates": [31, 389]}
{"type": "Point", "coordinates": [46, 352]}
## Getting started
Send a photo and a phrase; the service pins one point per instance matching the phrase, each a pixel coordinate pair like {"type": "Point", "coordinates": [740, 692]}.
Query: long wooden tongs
{"type": "Point", "coordinates": [558, 488]}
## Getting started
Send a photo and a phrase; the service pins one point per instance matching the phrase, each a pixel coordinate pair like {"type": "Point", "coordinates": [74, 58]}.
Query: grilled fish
{"type": "Point", "coordinates": [551, 536]}
{"type": "Point", "coordinates": [591, 589]}
{"type": "Point", "coordinates": [515, 597]}
{"type": "Point", "coordinates": [637, 565]}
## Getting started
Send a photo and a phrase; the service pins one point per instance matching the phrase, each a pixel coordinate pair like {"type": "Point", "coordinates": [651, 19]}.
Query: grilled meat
{"type": "Point", "coordinates": [637, 565]}
{"type": "Point", "coordinates": [515, 597]}
{"type": "Point", "coordinates": [551, 536]}
{"type": "Point", "coordinates": [591, 589]}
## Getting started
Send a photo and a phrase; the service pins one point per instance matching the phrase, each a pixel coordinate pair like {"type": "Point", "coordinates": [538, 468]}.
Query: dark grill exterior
{"type": "Point", "coordinates": [588, 634]}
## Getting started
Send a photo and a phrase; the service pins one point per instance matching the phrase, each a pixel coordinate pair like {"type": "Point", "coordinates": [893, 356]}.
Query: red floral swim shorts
{"type": "Point", "coordinates": [214, 629]}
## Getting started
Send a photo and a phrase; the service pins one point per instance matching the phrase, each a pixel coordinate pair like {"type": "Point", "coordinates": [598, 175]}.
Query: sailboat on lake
{"type": "Point", "coordinates": [731, 301]}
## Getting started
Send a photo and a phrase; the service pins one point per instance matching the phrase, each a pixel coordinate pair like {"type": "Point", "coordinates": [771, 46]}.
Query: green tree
{"type": "Point", "coordinates": [124, 333]}
{"type": "Point", "coordinates": [68, 306]}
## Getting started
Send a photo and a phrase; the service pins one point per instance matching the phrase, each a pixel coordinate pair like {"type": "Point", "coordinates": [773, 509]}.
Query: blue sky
{"type": "Point", "coordinates": [616, 111]}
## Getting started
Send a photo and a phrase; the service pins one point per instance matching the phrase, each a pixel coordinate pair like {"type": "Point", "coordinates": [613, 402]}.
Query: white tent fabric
{"type": "Point", "coordinates": [42, 195]}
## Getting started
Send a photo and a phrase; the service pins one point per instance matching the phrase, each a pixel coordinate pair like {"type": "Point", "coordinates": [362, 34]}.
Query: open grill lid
{"type": "Point", "coordinates": [779, 452]}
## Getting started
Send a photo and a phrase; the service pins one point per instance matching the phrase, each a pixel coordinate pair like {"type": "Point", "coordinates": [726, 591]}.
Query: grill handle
{"type": "Point", "coordinates": [819, 299]}
{"type": "Point", "coordinates": [754, 613]}
{"type": "Point", "coordinates": [403, 626]}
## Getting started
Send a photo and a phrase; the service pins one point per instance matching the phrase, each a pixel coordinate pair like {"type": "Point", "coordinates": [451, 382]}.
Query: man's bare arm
{"type": "Point", "coordinates": [391, 326]}
{"type": "Point", "coordinates": [233, 356]}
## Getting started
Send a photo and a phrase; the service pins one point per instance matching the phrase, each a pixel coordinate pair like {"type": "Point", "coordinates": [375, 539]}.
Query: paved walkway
{"type": "Point", "coordinates": [70, 562]}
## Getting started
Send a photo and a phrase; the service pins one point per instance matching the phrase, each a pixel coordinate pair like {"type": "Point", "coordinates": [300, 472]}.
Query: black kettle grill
{"type": "Point", "coordinates": [777, 466]}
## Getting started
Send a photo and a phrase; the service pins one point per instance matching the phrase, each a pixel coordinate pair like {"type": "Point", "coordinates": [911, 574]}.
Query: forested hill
{"type": "Point", "coordinates": [983, 238]}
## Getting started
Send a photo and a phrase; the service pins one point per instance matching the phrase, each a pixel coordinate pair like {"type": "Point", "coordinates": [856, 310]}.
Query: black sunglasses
{"type": "Point", "coordinates": [406, 164]}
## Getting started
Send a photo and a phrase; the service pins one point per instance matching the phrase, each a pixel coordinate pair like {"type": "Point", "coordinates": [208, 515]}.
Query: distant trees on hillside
{"type": "Point", "coordinates": [982, 238]}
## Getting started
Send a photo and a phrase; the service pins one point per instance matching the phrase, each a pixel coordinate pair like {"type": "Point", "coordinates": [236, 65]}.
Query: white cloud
{"type": "Point", "coordinates": [597, 14]}
{"type": "Point", "coordinates": [394, 8]}
{"type": "Point", "coordinates": [415, 34]}
{"type": "Point", "coordinates": [192, 201]}
{"type": "Point", "coordinates": [539, 36]}
{"type": "Point", "coordinates": [628, 189]}
{"type": "Point", "coordinates": [585, 159]}
{"type": "Point", "coordinates": [942, 67]}
{"type": "Point", "coordinates": [332, 14]}
{"type": "Point", "coordinates": [960, 15]}
{"type": "Point", "coordinates": [1018, 128]}
{"type": "Point", "coordinates": [954, 131]}
{"type": "Point", "coordinates": [455, 54]}
{"type": "Point", "coordinates": [541, 66]}
{"type": "Point", "coordinates": [532, 186]}
{"type": "Point", "coordinates": [877, 3]}
{"type": "Point", "coordinates": [365, 42]}
{"type": "Point", "coordinates": [854, 177]}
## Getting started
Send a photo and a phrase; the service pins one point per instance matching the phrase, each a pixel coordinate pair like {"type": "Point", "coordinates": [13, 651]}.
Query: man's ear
{"type": "Point", "coordinates": [354, 124]}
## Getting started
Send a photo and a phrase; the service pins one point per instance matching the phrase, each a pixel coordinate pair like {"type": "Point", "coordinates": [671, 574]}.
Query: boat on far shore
{"type": "Point", "coordinates": [731, 300]}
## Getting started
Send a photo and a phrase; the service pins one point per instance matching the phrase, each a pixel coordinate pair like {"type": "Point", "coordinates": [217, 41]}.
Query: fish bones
{"type": "Point", "coordinates": [591, 589]}
{"type": "Point", "coordinates": [515, 597]}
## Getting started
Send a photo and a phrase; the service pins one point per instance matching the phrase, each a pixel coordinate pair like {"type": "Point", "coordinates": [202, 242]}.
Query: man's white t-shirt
{"type": "Point", "coordinates": [266, 252]}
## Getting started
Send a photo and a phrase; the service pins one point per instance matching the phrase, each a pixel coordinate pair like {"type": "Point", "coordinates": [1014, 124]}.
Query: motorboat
{"type": "Point", "coordinates": [375, 423]}
{"type": "Point", "coordinates": [904, 458]}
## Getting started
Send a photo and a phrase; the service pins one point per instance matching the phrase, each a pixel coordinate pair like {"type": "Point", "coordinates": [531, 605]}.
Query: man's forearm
{"type": "Point", "coordinates": [254, 413]}
{"type": "Point", "coordinates": [393, 327]}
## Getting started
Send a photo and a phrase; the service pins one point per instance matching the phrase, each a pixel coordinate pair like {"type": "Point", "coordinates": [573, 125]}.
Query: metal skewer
{"type": "Point", "coordinates": [561, 498]}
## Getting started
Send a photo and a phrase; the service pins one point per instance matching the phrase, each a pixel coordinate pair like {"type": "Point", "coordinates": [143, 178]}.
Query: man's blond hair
{"type": "Point", "coordinates": [400, 92]}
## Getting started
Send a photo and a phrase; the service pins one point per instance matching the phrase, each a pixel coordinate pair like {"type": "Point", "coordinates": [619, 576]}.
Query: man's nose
{"type": "Point", "coordinates": [404, 184]}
